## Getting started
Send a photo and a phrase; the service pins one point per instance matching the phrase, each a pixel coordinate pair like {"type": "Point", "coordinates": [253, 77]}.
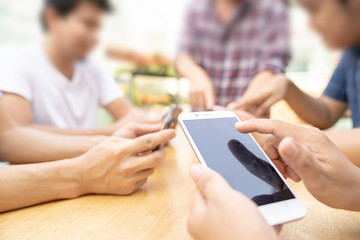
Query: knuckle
{"type": "Point", "coordinates": [126, 169]}
{"type": "Point", "coordinates": [157, 158]}
{"type": "Point", "coordinates": [149, 141]}
{"type": "Point", "coordinates": [120, 152]}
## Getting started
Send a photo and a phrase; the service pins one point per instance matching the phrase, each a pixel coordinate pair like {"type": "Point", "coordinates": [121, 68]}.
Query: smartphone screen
{"type": "Point", "coordinates": [238, 159]}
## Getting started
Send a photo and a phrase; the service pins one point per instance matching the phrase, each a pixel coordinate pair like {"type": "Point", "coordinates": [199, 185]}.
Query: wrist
{"type": "Point", "coordinates": [80, 183]}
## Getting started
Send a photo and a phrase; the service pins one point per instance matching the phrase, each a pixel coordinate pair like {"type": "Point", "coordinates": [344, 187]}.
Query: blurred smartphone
{"type": "Point", "coordinates": [171, 119]}
{"type": "Point", "coordinates": [242, 162]}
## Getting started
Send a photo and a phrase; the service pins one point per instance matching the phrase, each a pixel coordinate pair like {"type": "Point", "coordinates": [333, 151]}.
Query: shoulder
{"type": "Point", "coordinates": [349, 58]}
{"type": "Point", "coordinates": [19, 56]}
{"type": "Point", "coordinates": [351, 54]}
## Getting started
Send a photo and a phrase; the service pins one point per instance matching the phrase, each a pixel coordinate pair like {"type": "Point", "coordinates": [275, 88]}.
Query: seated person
{"type": "Point", "coordinates": [231, 47]}
{"type": "Point", "coordinates": [307, 154]}
{"type": "Point", "coordinates": [337, 22]}
{"type": "Point", "coordinates": [55, 86]}
{"type": "Point", "coordinates": [111, 167]}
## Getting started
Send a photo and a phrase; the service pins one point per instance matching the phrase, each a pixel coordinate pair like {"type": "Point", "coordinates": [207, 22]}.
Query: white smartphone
{"type": "Point", "coordinates": [242, 162]}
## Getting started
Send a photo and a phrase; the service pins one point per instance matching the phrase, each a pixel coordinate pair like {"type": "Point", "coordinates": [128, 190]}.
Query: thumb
{"type": "Point", "coordinates": [297, 157]}
{"type": "Point", "coordinates": [237, 105]}
{"type": "Point", "coordinates": [209, 183]}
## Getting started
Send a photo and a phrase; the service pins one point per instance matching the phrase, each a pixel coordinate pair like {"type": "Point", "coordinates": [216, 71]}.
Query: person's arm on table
{"type": "Point", "coordinates": [39, 146]}
{"type": "Point", "coordinates": [201, 93]}
{"type": "Point", "coordinates": [219, 212]}
{"type": "Point", "coordinates": [273, 57]}
{"type": "Point", "coordinates": [112, 167]}
{"type": "Point", "coordinates": [322, 112]}
{"type": "Point", "coordinates": [27, 145]}
{"type": "Point", "coordinates": [307, 154]}
{"type": "Point", "coordinates": [20, 110]}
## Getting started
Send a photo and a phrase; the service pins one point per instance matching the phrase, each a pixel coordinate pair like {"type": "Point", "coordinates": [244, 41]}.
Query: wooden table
{"type": "Point", "coordinates": [158, 211]}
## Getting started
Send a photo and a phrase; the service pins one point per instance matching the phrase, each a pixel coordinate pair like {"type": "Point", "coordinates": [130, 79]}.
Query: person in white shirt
{"type": "Point", "coordinates": [102, 165]}
{"type": "Point", "coordinates": [56, 87]}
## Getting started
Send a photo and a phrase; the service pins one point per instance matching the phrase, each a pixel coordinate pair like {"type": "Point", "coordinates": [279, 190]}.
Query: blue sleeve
{"type": "Point", "coordinates": [336, 88]}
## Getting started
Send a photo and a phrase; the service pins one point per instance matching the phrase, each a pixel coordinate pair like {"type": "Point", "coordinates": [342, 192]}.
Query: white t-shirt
{"type": "Point", "coordinates": [54, 99]}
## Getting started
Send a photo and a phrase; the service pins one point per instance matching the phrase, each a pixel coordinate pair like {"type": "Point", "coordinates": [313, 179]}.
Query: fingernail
{"type": "Point", "coordinates": [291, 148]}
{"type": "Point", "coordinates": [239, 124]}
{"type": "Point", "coordinates": [196, 171]}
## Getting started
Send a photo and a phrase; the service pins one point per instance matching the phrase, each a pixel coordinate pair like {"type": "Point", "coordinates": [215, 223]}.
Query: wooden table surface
{"type": "Point", "coordinates": [158, 211]}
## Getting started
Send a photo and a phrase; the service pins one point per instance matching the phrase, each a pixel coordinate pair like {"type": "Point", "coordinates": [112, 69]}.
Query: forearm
{"type": "Point", "coordinates": [347, 142]}
{"type": "Point", "coordinates": [310, 109]}
{"type": "Point", "coordinates": [27, 145]}
{"type": "Point", "coordinates": [189, 69]}
{"type": "Point", "coordinates": [26, 185]}
{"type": "Point", "coordinates": [260, 78]}
{"type": "Point", "coordinates": [105, 131]}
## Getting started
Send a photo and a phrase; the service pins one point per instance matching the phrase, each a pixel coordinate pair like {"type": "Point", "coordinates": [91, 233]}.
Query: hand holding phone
{"type": "Point", "coordinates": [241, 161]}
{"type": "Point", "coordinates": [171, 119]}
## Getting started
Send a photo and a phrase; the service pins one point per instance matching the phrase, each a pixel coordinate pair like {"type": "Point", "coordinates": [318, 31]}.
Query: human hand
{"type": "Point", "coordinates": [309, 155]}
{"type": "Point", "coordinates": [219, 212]}
{"type": "Point", "coordinates": [119, 166]}
{"type": "Point", "coordinates": [259, 98]}
{"type": "Point", "coordinates": [133, 130]}
{"type": "Point", "coordinates": [201, 94]}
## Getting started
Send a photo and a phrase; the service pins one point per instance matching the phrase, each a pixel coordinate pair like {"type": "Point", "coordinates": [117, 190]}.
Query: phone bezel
{"type": "Point", "coordinates": [274, 213]}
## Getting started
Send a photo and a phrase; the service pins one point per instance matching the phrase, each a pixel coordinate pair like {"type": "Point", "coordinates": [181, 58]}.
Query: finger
{"type": "Point", "coordinates": [298, 158]}
{"type": "Point", "coordinates": [209, 183]}
{"type": "Point", "coordinates": [201, 101]}
{"type": "Point", "coordinates": [143, 174]}
{"type": "Point", "coordinates": [209, 100]}
{"type": "Point", "coordinates": [196, 213]}
{"type": "Point", "coordinates": [265, 126]}
{"type": "Point", "coordinates": [151, 120]}
{"type": "Point", "coordinates": [198, 203]}
{"type": "Point", "coordinates": [281, 167]}
{"type": "Point", "coordinates": [152, 160]}
{"type": "Point", "coordinates": [146, 128]}
{"type": "Point", "coordinates": [151, 141]}
{"type": "Point", "coordinates": [278, 228]}
{"type": "Point", "coordinates": [219, 108]}
{"type": "Point", "coordinates": [140, 183]}
{"type": "Point", "coordinates": [192, 100]}
{"type": "Point", "coordinates": [271, 145]}
{"type": "Point", "coordinates": [292, 174]}
{"type": "Point", "coordinates": [251, 101]}
{"type": "Point", "coordinates": [265, 106]}
{"type": "Point", "coordinates": [233, 106]}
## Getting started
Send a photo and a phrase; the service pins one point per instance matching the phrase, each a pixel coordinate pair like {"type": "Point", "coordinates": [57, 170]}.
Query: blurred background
{"type": "Point", "coordinates": [153, 27]}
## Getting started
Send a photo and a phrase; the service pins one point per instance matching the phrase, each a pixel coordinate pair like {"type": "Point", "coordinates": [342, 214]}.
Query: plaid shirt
{"type": "Point", "coordinates": [256, 39]}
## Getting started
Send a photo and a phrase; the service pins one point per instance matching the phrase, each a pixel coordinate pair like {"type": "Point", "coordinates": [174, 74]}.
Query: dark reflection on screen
{"type": "Point", "coordinates": [261, 169]}
{"type": "Point", "coordinates": [237, 157]}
